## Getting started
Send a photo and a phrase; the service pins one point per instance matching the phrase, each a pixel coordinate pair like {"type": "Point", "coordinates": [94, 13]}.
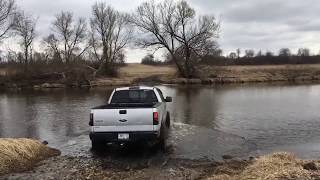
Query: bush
{"type": "Point", "coordinates": [149, 60]}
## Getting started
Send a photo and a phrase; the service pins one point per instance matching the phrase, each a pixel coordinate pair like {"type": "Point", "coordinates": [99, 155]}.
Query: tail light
{"type": "Point", "coordinates": [91, 120]}
{"type": "Point", "coordinates": [155, 118]}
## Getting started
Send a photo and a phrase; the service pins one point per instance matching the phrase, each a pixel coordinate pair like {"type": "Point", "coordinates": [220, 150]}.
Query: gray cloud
{"type": "Point", "coordinates": [246, 24]}
{"type": "Point", "coordinates": [266, 25]}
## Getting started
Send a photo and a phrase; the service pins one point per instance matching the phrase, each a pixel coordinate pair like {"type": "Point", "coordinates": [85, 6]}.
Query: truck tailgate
{"type": "Point", "coordinates": [123, 120]}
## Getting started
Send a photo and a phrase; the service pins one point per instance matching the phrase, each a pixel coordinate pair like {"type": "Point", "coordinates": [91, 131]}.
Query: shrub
{"type": "Point", "coordinates": [149, 60]}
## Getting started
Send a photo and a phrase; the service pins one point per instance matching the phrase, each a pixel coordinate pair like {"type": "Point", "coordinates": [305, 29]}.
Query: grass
{"type": "Point", "coordinates": [136, 73]}
{"type": "Point", "coordinates": [140, 70]}
{"type": "Point", "coordinates": [264, 72]}
{"type": "Point", "coordinates": [258, 73]}
{"type": "Point", "coordinates": [17, 155]}
{"type": "Point", "coordinates": [275, 166]}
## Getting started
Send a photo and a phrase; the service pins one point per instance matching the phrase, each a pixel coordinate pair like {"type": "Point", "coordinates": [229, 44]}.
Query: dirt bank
{"type": "Point", "coordinates": [84, 168]}
{"type": "Point", "coordinates": [25, 159]}
{"type": "Point", "coordinates": [132, 74]}
{"type": "Point", "coordinates": [275, 166]}
{"type": "Point", "coordinates": [137, 73]}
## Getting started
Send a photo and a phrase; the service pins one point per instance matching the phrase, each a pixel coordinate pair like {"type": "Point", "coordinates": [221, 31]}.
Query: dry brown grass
{"type": "Point", "coordinates": [259, 73]}
{"type": "Point", "coordinates": [275, 166]}
{"type": "Point", "coordinates": [136, 71]}
{"type": "Point", "coordinates": [264, 73]}
{"type": "Point", "coordinates": [141, 70]}
{"type": "Point", "coordinates": [17, 155]}
{"type": "Point", "coordinates": [224, 71]}
{"type": "Point", "coordinates": [2, 72]}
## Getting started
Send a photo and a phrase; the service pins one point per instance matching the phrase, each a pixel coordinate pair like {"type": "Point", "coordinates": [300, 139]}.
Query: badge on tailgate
{"type": "Point", "coordinates": [123, 136]}
{"type": "Point", "coordinates": [123, 120]}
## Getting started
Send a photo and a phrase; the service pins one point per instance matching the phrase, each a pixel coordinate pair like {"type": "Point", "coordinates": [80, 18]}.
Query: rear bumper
{"type": "Point", "coordinates": [133, 136]}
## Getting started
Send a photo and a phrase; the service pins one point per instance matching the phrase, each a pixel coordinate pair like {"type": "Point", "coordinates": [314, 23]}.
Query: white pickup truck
{"type": "Point", "coordinates": [132, 114]}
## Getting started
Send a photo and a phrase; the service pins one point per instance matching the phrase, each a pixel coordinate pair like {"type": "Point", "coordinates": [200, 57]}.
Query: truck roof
{"type": "Point", "coordinates": [135, 87]}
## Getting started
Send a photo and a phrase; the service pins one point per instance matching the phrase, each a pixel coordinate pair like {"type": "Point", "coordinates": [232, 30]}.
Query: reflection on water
{"type": "Point", "coordinates": [51, 115]}
{"type": "Point", "coordinates": [194, 105]}
{"type": "Point", "coordinates": [274, 117]}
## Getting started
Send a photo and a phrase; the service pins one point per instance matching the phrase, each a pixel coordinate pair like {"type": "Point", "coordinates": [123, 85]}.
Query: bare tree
{"type": "Point", "coordinates": [111, 33]}
{"type": "Point", "coordinates": [52, 48]}
{"type": "Point", "coordinates": [284, 52]}
{"type": "Point", "coordinates": [269, 54]}
{"type": "Point", "coordinates": [259, 54]}
{"type": "Point", "coordinates": [7, 14]}
{"type": "Point", "coordinates": [72, 34]}
{"type": "Point", "coordinates": [303, 52]}
{"type": "Point", "coordinates": [238, 53]}
{"type": "Point", "coordinates": [249, 53]}
{"type": "Point", "coordinates": [24, 26]}
{"type": "Point", "coordinates": [218, 52]}
{"type": "Point", "coordinates": [233, 55]}
{"type": "Point", "coordinates": [174, 27]}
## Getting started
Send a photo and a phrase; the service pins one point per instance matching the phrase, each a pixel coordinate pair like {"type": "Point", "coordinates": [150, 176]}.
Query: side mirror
{"type": "Point", "coordinates": [168, 99]}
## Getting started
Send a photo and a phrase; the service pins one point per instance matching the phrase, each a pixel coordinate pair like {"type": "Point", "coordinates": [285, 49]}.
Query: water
{"type": "Point", "coordinates": [208, 121]}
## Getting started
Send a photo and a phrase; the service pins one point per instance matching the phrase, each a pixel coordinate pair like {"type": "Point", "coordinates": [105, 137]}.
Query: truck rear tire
{"type": "Point", "coordinates": [162, 139]}
{"type": "Point", "coordinates": [168, 123]}
{"type": "Point", "coordinates": [162, 145]}
{"type": "Point", "coordinates": [97, 145]}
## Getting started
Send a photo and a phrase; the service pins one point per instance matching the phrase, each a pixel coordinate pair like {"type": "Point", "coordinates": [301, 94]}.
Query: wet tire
{"type": "Point", "coordinates": [97, 145]}
{"type": "Point", "coordinates": [162, 145]}
{"type": "Point", "coordinates": [162, 139]}
{"type": "Point", "coordinates": [168, 123]}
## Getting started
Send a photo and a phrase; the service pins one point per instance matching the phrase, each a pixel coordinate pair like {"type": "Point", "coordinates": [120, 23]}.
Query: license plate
{"type": "Point", "coordinates": [123, 136]}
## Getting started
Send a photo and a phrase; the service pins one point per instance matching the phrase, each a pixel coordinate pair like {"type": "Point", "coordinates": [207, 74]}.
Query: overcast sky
{"type": "Point", "coordinates": [246, 24]}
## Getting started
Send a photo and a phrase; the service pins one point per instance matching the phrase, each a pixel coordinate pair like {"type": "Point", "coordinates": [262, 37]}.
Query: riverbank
{"type": "Point", "coordinates": [133, 74]}
{"type": "Point", "coordinates": [17, 155]}
{"type": "Point", "coordinates": [274, 166]}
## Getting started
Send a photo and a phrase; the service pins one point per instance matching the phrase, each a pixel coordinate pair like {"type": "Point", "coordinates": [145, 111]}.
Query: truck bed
{"type": "Point", "coordinates": [127, 106]}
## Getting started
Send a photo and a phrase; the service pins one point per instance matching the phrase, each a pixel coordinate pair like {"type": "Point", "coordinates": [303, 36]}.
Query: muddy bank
{"type": "Point", "coordinates": [127, 162]}
{"type": "Point", "coordinates": [83, 168]}
{"type": "Point", "coordinates": [105, 82]}
{"type": "Point", "coordinates": [188, 155]}
{"type": "Point", "coordinates": [274, 166]}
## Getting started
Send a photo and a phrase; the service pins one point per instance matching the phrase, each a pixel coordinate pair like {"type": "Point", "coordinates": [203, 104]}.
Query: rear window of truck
{"type": "Point", "coordinates": [134, 96]}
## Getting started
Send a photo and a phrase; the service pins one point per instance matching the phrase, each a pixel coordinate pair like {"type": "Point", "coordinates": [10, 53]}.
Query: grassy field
{"type": "Point", "coordinates": [142, 71]}
{"type": "Point", "coordinates": [138, 73]}
{"type": "Point", "coordinates": [236, 74]}
{"type": "Point", "coordinates": [132, 73]}
{"type": "Point", "coordinates": [263, 73]}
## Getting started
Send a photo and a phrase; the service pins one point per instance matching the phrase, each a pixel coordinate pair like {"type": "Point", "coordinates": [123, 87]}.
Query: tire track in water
{"type": "Point", "coordinates": [185, 142]}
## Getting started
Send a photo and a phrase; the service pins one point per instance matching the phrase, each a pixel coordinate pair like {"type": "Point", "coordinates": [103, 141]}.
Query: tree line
{"type": "Point", "coordinates": [100, 41]}
{"type": "Point", "coordinates": [283, 52]}
{"type": "Point", "coordinates": [250, 57]}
